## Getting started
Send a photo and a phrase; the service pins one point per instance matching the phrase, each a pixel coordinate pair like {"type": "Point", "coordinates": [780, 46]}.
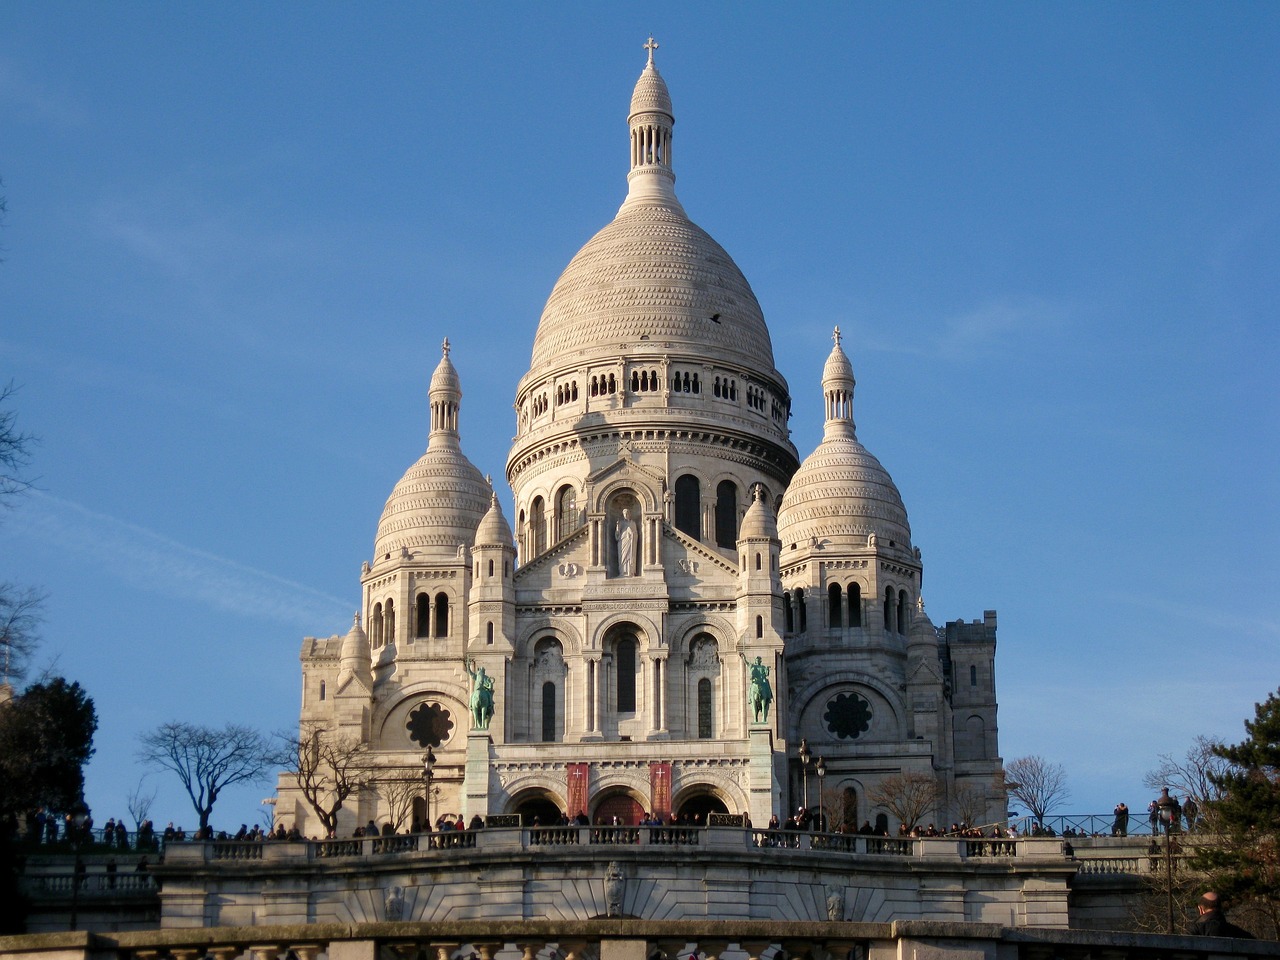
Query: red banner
{"type": "Point", "coordinates": [660, 790]}
{"type": "Point", "coordinates": [577, 789]}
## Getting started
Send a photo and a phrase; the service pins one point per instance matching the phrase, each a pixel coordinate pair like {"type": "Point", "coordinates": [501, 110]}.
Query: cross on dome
{"type": "Point", "coordinates": [835, 336]}
{"type": "Point", "coordinates": [445, 346]}
{"type": "Point", "coordinates": [651, 46]}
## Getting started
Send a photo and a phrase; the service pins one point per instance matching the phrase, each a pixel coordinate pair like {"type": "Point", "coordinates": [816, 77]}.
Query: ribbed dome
{"type": "Point", "coordinates": [653, 274]}
{"type": "Point", "coordinates": [650, 94]}
{"type": "Point", "coordinates": [436, 506]}
{"type": "Point", "coordinates": [757, 522]}
{"type": "Point", "coordinates": [842, 493]}
{"type": "Point", "coordinates": [494, 527]}
{"type": "Point", "coordinates": [438, 503]}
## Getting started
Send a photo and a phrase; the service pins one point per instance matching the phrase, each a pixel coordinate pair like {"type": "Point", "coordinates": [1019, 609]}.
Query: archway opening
{"type": "Point", "coordinates": [618, 808]}
{"type": "Point", "coordinates": [696, 808]}
{"type": "Point", "coordinates": [537, 809]}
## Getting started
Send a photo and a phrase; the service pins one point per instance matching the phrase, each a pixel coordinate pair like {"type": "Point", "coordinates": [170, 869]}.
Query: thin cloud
{"type": "Point", "coordinates": [152, 562]}
{"type": "Point", "coordinates": [988, 329]}
{"type": "Point", "coordinates": [1221, 618]}
{"type": "Point", "coordinates": [36, 101]}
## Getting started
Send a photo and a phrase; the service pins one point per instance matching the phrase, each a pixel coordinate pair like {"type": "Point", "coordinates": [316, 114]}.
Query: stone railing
{"type": "Point", "coordinates": [456, 843]}
{"type": "Point", "coordinates": [625, 939]}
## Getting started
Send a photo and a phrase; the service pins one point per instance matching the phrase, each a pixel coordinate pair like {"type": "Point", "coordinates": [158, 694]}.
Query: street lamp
{"type": "Point", "coordinates": [428, 767]}
{"type": "Point", "coordinates": [1169, 814]}
{"type": "Point", "coordinates": [805, 755]}
{"type": "Point", "coordinates": [821, 771]}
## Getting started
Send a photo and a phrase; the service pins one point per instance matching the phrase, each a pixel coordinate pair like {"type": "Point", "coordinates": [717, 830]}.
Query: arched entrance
{"type": "Point", "coordinates": [619, 808]}
{"type": "Point", "coordinates": [538, 808]}
{"type": "Point", "coordinates": [695, 807]}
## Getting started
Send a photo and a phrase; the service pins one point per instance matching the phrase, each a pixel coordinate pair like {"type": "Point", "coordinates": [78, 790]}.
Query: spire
{"type": "Point", "coordinates": [651, 177]}
{"type": "Point", "coordinates": [445, 395]}
{"type": "Point", "coordinates": [837, 390]}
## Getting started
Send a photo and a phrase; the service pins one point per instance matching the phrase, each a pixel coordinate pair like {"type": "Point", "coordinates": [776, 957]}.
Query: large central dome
{"type": "Point", "coordinates": [652, 274]}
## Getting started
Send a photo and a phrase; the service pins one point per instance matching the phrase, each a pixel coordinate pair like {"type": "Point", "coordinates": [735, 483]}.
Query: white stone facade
{"type": "Point", "coordinates": [666, 535]}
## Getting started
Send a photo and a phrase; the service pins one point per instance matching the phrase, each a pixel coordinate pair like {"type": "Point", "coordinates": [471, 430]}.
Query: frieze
{"type": "Point", "coordinates": [888, 567]}
{"type": "Point", "coordinates": [417, 575]}
{"type": "Point", "coordinates": [550, 610]}
{"type": "Point", "coordinates": [595, 605]}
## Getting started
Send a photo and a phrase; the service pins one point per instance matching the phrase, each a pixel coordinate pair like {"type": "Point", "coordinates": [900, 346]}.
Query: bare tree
{"type": "Point", "coordinates": [19, 618]}
{"type": "Point", "coordinates": [15, 451]}
{"type": "Point", "coordinates": [139, 804]}
{"type": "Point", "coordinates": [1192, 774]}
{"type": "Point", "coordinates": [909, 796]}
{"type": "Point", "coordinates": [971, 804]}
{"type": "Point", "coordinates": [207, 761]}
{"type": "Point", "coordinates": [1036, 782]}
{"type": "Point", "coordinates": [397, 796]}
{"type": "Point", "coordinates": [329, 770]}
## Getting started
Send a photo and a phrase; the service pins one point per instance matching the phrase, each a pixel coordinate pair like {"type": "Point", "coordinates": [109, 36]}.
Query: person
{"type": "Point", "coordinates": [1212, 922]}
{"type": "Point", "coordinates": [761, 693]}
{"type": "Point", "coordinates": [625, 533]}
{"type": "Point", "coordinates": [1120, 826]}
{"type": "Point", "coordinates": [1190, 811]}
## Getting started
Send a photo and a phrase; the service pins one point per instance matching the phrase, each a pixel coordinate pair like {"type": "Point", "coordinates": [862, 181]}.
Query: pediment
{"type": "Point", "coordinates": [695, 550]}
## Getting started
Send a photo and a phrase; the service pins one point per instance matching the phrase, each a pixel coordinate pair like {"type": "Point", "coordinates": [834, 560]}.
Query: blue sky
{"type": "Point", "coordinates": [237, 234]}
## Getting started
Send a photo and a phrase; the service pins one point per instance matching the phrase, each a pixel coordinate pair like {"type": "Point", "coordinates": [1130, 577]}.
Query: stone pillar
{"type": "Point", "coordinates": [763, 797]}
{"type": "Point", "coordinates": [475, 783]}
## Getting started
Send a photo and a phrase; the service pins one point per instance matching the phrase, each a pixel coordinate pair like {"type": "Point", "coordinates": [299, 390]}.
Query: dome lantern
{"type": "Point", "coordinates": [837, 390]}
{"type": "Point", "coordinates": [651, 119]}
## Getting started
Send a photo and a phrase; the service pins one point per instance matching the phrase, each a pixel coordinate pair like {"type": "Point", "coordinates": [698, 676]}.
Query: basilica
{"type": "Point", "coordinates": [682, 617]}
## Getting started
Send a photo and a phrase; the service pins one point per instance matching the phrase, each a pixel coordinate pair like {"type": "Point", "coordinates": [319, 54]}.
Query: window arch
{"type": "Point", "coordinates": [422, 616]}
{"type": "Point", "coordinates": [904, 611]}
{"type": "Point", "coordinates": [802, 616]}
{"type": "Point", "coordinates": [546, 691]}
{"type": "Point", "coordinates": [689, 505]}
{"type": "Point", "coordinates": [726, 514]}
{"type": "Point", "coordinates": [442, 614]}
{"type": "Point", "coordinates": [566, 511]}
{"type": "Point", "coordinates": [389, 615]}
{"type": "Point", "coordinates": [835, 597]}
{"type": "Point", "coordinates": [759, 626]}
{"type": "Point", "coordinates": [890, 610]}
{"type": "Point", "coordinates": [789, 612]}
{"type": "Point", "coordinates": [375, 626]}
{"type": "Point", "coordinates": [488, 631]}
{"type": "Point", "coordinates": [855, 605]}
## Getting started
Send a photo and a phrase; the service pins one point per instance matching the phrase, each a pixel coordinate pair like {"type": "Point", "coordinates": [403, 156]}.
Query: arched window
{"type": "Point", "coordinates": [705, 716]}
{"type": "Point", "coordinates": [855, 605]}
{"type": "Point", "coordinates": [726, 514]}
{"type": "Point", "coordinates": [538, 526]}
{"type": "Point", "coordinates": [790, 615]}
{"type": "Point", "coordinates": [802, 613]}
{"type": "Point", "coordinates": [491, 568]}
{"type": "Point", "coordinates": [890, 610]}
{"type": "Point", "coordinates": [834, 597]}
{"type": "Point", "coordinates": [904, 611]}
{"type": "Point", "coordinates": [488, 631]}
{"type": "Point", "coordinates": [759, 627]}
{"type": "Point", "coordinates": [422, 616]}
{"type": "Point", "coordinates": [442, 614]}
{"type": "Point", "coordinates": [549, 712]}
{"type": "Point", "coordinates": [375, 626]}
{"type": "Point", "coordinates": [625, 658]}
{"type": "Point", "coordinates": [973, 675]}
{"type": "Point", "coordinates": [689, 506]}
{"type": "Point", "coordinates": [566, 511]}
{"type": "Point", "coordinates": [757, 560]}
{"type": "Point", "coordinates": [322, 690]}
{"type": "Point", "coordinates": [390, 616]}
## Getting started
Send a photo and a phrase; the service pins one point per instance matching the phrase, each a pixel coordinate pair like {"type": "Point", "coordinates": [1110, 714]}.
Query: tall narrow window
{"type": "Point", "coordinates": [442, 614]}
{"type": "Point", "coordinates": [422, 616]}
{"type": "Point", "coordinates": [705, 731]}
{"type": "Point", "coordinates": [802, 615]}
{"type": "Point", "coordinates": [789, 612]}
{"type": "Point", "coordinates": [726, 514]}
{"type": "Point", "coordinates": [834, 597]}
{"type": "Point", "coordinates": [689, 506]}
{"type": "Point", "coordinates": [488, 631]}
{"type": "Point", "coordinates": [890, 610]}
{"type": "Point", "coordinates": [538, 526]}
{"type": "Point", "coordinates": [322, 690]}
{"type": "Point", "coordinates": [904, 611]}
{"type": "Point", "coordinates": [566, 511]}
{"type": "Point", "coordinates": [390, 617]}
{"type": "Point", "coordinates": [375, 626]}
{"type": "Point", "coordinates": [759, 627]}
{"type": "Point", "coordinates": [973, 675]}
{"type": "Point", "coordinates": [855, 605]}
{"type": "Point", "coordinates": [548, 712]}
{"type": "Point", "coordinates": [626, 663]}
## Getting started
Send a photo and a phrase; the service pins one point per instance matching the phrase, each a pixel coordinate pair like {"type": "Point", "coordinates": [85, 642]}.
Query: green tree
{"type": "Point", "coordinates": [46, 738]}
{"type": "Point", "coordinates": [1243, 864]}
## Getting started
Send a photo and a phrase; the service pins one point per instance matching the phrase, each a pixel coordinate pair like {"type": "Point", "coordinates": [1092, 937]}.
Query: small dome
{"type": "Point", "coordinates": [758, 522]}
{"type": "Point", "coordinates": [434, 509]}
{"type": "Point", "coordinates": [353, 656]}
{"type": "Point", "coordinates": [494, 527]}
{"type": "Point", "coordinates": [841, 493]}
{"type": "Point", "coordinates": [445, 379]}
{"type": "Point", "coordinates": [651, 94]}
